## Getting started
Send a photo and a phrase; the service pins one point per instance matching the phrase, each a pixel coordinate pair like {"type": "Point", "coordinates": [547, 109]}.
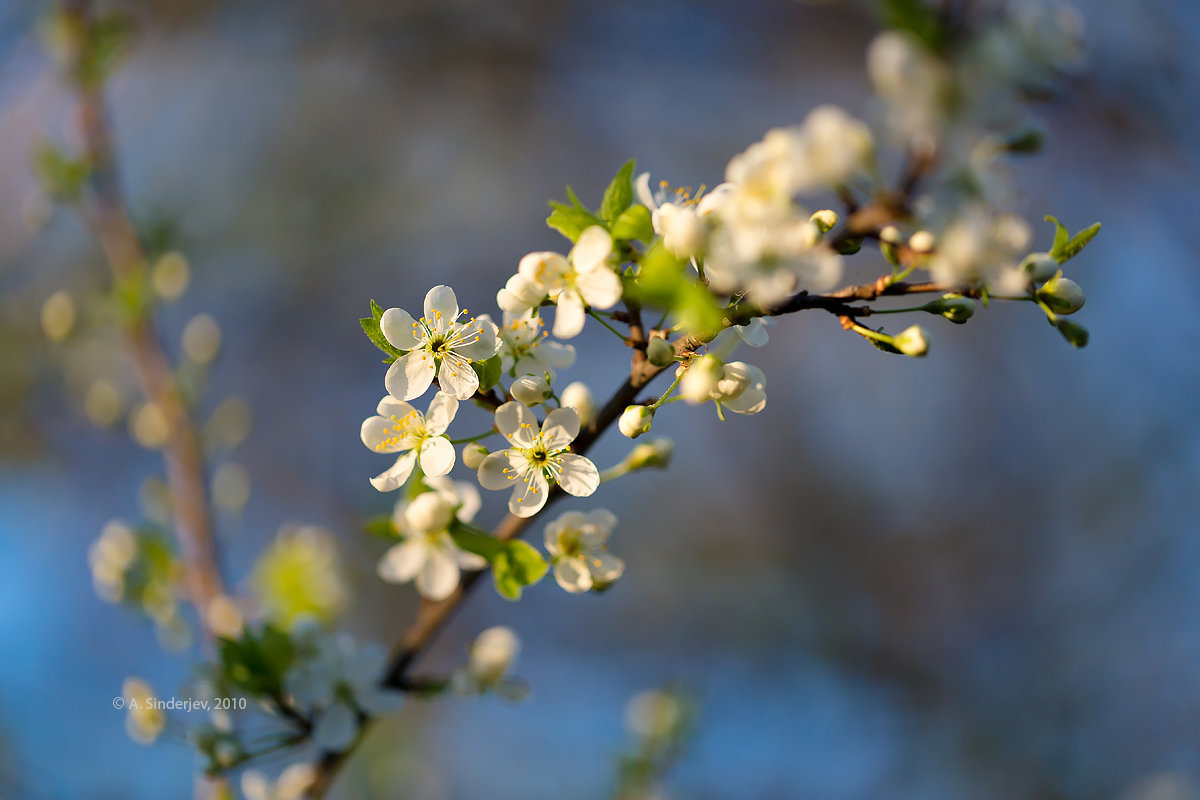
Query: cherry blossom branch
{"type": "Point", "coordinates": [104, 211]}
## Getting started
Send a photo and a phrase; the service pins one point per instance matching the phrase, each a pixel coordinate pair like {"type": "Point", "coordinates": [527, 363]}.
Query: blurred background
{"type": "Point", "coordinates": [971, 575]}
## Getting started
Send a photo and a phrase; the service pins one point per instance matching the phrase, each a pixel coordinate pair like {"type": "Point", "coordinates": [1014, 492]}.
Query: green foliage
{"type": "Point", "coordinates": [571, 219]}
{"type": "Point", "coordinates": [515, 564]}
{"type": "Point", "coordinates": [381, 526]}
{"type": "Point", "coordinates": [132, 294]}
{"type": "Point", "coordinates": [665, 283]}
{"type": "Point", "coordinates": [370, 326]}
{"type": "Point", "coordinates": [1026, 142]}
{"type": "Point", "coordinates": [1067, 246]}
{"type": "Point", "coordinates": [917, 18]}
{"type": "Point", "coordinates": [634, 224]}
{"type": "Point", "coordinates": [619, 194]}
{"type": "Point", "coordinates": [255, 663]}
{"type": "Point", "coordinates": [616, 213]}
{"type": "Point", "coordinates": [110, 41]}
{"type": "Point", "coordinates": [62, 178]}
{"type": "Point", "coordinates": [489, 372]}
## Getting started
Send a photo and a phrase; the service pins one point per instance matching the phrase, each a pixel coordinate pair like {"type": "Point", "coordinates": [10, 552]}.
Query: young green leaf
{"type": "Point", "coordinates": [619, 194]}
{"type": "Point", "coordinates": [381, 526]}
{"type": "Point", "coordinates": [1061, 237]}
{"type": "Point", "coordinates": [570, 220]}
{"type": "Point", "coordinates": [489, 372]}
{"type": "Point", "coordinates": [370, 326]}
{"type": "Point", "coordinates": [1080, 241]}
{"type": "Point", "coordinates": [634, 224]}
{"type": "Point", "coordinates": [518, 566]}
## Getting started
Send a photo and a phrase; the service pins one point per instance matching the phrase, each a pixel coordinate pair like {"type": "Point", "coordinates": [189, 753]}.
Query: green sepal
{"type": "Point", "coordinates": [634, 224]}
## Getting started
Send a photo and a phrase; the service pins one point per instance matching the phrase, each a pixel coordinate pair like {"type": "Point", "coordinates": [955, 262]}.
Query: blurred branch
{"type": "Point", "coordinates": [104, 211]}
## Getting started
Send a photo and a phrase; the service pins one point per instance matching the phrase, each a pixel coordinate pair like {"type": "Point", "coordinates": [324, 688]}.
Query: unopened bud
{"type": "Point", "coordinates": [912, 341]}
{"type": "Point", "coordinates": [1075, 334]}
{"type": "Point", "coordinates": [921, 242]}
{"type": "Point", "coordinates": [848, 247]}
{"type": "Point", "coordinates": [700, 380]}
{"type": "Point", "coordinates": [530, 389]}
{"type": "Point", "coordinates": [1063, 295]}
{"type": "Point", "coordinates": [660, 353]}
{"type": "Point", "coordinates": [956, 308]}
{"type": "Point", "coordinates": [824, 220]}
{"type": "Point", "coordinates": [473, 455]}
{"type": "Point", "coordinates": [579, 397]}
{"type": "Point", "coordinates": [1040, 266]}
{"type": "Point", "coordinates": [889, 240]}
{"type": "Point", "coordinates": [655, 453]}
{"type": "Point", "coordinates": [635, 420]}
{"type": "Point", "coordinates": [890, 234]}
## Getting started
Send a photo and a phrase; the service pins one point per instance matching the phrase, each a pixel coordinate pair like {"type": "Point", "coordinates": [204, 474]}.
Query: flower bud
{"type": "Point", "coordinates": [473, 455]}
{"type": "Point", "coordinates": [700, 379]}
{"type": "Point", "coordinates": [635, 420]}
{"type": "Point", "coordinates": [1063, 295]}
{"type": "Point", "coordinates": [921, 242]}
{"type": "Point", "coordinates": [655, 454]}
{"type": "Point", "coordinates": [889, 240]}
{"type": "Point", "coordinates": [1075, 334]}
{"type": "Point", "coordinates": [660, 353]}
{"type": "Point", "coordinates": [492, 654]}
{"type": "Point", "coordinates": [824, 220]}
{"type": "Point", "coordinates": [912, 341]}
{"type": "Point", "coordinates": [579, 397]}
{"type": "Point", "coordinates": [1040, 266]}
{"type": "Point", "coordinates": [530, 389]}
{"type": "Point", "coordinates": [956, 308]}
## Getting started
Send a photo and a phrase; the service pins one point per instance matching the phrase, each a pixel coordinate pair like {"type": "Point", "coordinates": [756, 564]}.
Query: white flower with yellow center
{"type": "Point", "coordinates": [428, 555]}
{"type": "Point", "coordinates": [574, 282]}
{"type": "Point", "coordinates": [525, 350]}
{"type": "Point", "coordinates": [578, 546]}
{"type": "Point", "coordinates": [438, 346]}
{"type": "Point", "coordinates": [677, 216]}
{"type": "Point", "coordinates": [397, 427]}
{"type": "Point", "coordinates": [537, 458]}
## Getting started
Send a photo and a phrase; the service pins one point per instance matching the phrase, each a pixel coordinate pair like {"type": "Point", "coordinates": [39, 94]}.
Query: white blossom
{"type": "Point", "coordinates": [400, 428]}
{"type": "Point", "coordinates": [427, 554]}
{"type": "Point", "coordinates": [578, 546]}
{"type": "Point", "coordinates": [524, 348]}
{"type": "Point", "coordinates": [437, 345]}
{"type": "Point", "coordinates": [741, 388]}
{"type": "Point", "coordinates": [579, 397]}
{"type": "Point", "coordinates": [144, 720]}
{"type": "Point", "coordinates": [531, 389]}
{"type": "Point", "coordinates": [982, 249]}
{"type": "Point", "coordinates": [679, 220]}
{"type": "Point", "coordinates": [292, 783]}
{"type": "Point", "coordinates": [574, 282]}
{"type": "Point", "coordinates": [537, 458]}
{"type": "Point", "coordinates": [333, 681]}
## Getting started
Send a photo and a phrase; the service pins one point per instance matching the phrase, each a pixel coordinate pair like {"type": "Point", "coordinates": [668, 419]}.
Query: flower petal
{"type": "Point", "coordinates": [751, 401]}
{"type": "Point", "coordinates": [456, 376]}
{"type": "Point", "coordinates": [403, 561]}
{"type": "Point", "coordinates": [486, 344]}
{"type": "Point", "coordinates": [641, 185]}
{"type": "Point", "coordinates": [604, 566]}
{"type": "Point", "coordinates": [441, 305]}
{"type": "Point", "coordinates": [592, 250]}
{"type": "Point", "coordinates": [395, 475]}
{"type": "Point", "coordinates": [572, 575]}
{"type": "Point", "coordinates": [391, 407]}
{"type": "Point", "coordinates": [496, 472]}
{"type": "Point", "coordinates": [554, 355]}
{"type": "Point", "coordinates": [560, 428]}
{"type": "Point", "coordinates": [438, 578]}
{"type": "Point", "coordinates": [377, 434]}
{"type": "Point", "coordinates": [442, 409]}
{"type": "Point", "coordinates": [753, 333]}
{"type": "Point", "coordinates": [569, 319]}
{"type": "Point", "coordinates": [409, 375]}
{"type": "Point", "coordinates": [579, 476]}
{"type": "Point", "coordinates": [520, 294]}
{"type": "Point", "coordinates": [336, 728]}
{"type": "Point", "coordinates": [399, 328]}
{"type": "Point", "coordinates": [527, 500]}
{"type": "Point", "coordinates": [601, 288]}
{"type": "Point", "coordinates": [545, 270]}
{"type": "Point", "coordinates": [437, 456]}
{"type": "Point", "coordinates": [516, 423]}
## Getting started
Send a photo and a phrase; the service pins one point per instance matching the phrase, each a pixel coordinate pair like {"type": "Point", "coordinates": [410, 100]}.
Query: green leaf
{"type": "Point", "coordinates": [489, 372]}
{"type": "Point", "coordinates": [918, 18]}
{"type": "Point", "coordinates": [665, 282]}
{"type": "Point", "coordinates": [619, 194]}
{"type": "Point", "coordinates": [1026, 142]}
{"type": "Point", "coordinates": [518, 566]}
{"type": "Point", "coordinates": [515, 564]}
{"type": "Point", "coordinates": [570, 220]}
{"type": "Point", "coordinates": [1061, 237]}
{"type": "Point", "coordinates": [111, 39]}
{"type": "Point", "coordinates": [634, 224]}
{"type": "Point", "coordinates": [1080, 241]}
{"type": "Point", "coordinates": [62, 177]}
{"type": "Point", "coordinates": [381, 526]}
{"type": "Point", "coordinates": [256, 663]}
{"type": "Point", "coordinates": [370, 326]}
{"type": "Point", "coordinates": [416, 484]}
